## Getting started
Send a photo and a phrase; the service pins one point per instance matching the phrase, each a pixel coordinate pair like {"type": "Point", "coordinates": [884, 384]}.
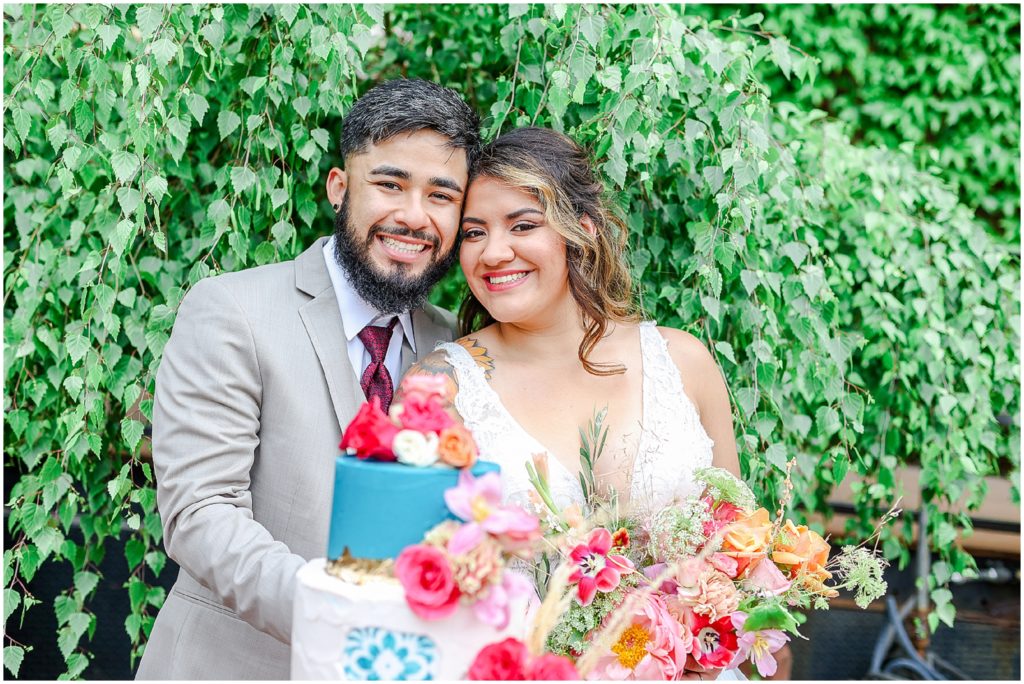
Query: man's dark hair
{"type": "Point", "coordinates": [407, 106]}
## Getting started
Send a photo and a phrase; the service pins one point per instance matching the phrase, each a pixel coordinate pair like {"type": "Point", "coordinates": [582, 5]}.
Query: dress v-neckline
{"type": "Point", "coordinates": [548, 452]}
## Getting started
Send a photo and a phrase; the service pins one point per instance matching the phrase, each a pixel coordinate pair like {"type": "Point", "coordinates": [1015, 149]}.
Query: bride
{"type": "Point", "coordinates": [551, 334]}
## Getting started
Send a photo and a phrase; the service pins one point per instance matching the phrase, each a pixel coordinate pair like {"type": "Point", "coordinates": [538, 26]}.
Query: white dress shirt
{"type": "Point", "coordinates": [356, 314]}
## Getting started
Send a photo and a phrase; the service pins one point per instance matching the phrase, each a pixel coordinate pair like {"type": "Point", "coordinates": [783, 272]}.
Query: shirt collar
{"type": "Point", "coordinates": [357, 313]}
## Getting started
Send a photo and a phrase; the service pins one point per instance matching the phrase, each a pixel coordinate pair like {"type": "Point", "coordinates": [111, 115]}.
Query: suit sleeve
{"type": "Point", "coordinates": [206, 422]}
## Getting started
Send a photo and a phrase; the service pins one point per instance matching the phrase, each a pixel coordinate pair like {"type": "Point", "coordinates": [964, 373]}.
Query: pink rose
{"type": "Point", "coordinates": [726, 564]}
{"type": "Point", "coordinates": [767, 577]}
{"type": "Point", "coordinates": [371, 433]}
{"type": "Point", "coordinates": [424, 414]}
{"type": "Point", "coordinates": [428, 581]}
{"type": "Point", "coordinates": [424, 386]}
{"type": "Point", "coordinates": [552, 667]}
{"type": "Point", "coordinates": [504, 661]}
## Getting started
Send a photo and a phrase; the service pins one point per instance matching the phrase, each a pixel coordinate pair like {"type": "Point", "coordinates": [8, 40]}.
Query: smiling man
{"type": "Point", "coordinates": [266, 366]}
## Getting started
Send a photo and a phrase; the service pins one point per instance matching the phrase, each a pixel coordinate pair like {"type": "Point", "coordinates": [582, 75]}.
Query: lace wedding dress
{"type": "Point", "coordinates": [672, 442]}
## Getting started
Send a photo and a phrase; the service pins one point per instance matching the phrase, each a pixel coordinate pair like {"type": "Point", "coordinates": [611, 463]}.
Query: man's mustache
{"type": "Point", "coordinates": [402, 231]}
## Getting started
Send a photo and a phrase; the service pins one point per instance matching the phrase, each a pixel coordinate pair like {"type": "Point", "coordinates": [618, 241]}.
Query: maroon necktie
{"type": "Point", "coordinates": [376, 380]}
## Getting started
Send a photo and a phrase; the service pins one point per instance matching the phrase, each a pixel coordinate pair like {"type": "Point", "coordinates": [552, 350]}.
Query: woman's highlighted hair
{"type": "Point", "coordinates": [558, 172]}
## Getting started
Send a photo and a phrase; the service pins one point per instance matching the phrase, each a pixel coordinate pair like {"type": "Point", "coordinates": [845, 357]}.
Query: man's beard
{"type": "Point", "coordinates": [392, 292]}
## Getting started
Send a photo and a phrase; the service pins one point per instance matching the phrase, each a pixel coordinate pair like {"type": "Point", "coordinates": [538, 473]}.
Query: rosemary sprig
{"type": "Point", "coordinates": [592, 443]}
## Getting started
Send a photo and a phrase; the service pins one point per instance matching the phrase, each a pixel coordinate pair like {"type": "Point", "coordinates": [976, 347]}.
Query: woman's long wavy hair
{"type": "Point", "coordinates": [558, 172]}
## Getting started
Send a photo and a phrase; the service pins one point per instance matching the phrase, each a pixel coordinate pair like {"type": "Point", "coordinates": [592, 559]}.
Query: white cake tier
{"type": "Point", "coordinates": [347, 631]}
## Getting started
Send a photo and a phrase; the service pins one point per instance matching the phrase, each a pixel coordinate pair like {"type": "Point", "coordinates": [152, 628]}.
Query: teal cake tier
{"type": "Point", "coordinates": [380, 508]}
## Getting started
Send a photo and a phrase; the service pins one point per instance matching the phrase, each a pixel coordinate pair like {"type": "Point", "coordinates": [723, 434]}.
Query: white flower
{"type": "Point", "coordinates": [413, 448]}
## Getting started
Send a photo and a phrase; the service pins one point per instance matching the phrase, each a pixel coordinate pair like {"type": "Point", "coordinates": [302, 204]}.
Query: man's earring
{"type": "Point", "coordinates": [337, 208]}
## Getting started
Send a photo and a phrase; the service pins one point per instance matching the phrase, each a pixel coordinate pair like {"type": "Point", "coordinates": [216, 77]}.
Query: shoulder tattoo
{"type": "Point", "coordinates": [479, 354]}
{"type": "Point", "coordinates": [435, 363]}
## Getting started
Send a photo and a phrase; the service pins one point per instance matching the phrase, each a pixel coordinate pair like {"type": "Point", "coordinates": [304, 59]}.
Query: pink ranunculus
{"type": "Point", "coordinates": [478, 502]}
{"type": "Point", "coordinates": [424, 414]}
{"type": "Point", "coordinates": [596, 569]}
{"type": "Point", "coordinates": [652, 647]}
{"type": "Point", "coordinates": [766, 577]}
{"type": "Point", "coordinates": [758, 647]}
{"type": "Point", "coordinates": [722, 513]}
{"type": "Point", "coordinates": [424, 386]}
{"type": "Point", "coordinates": [371, 433]}
{"type": "Point", "coordinates": [493, 608]}
{"type": "Point", "coordinates": [706, 589]}
{"type": "Point", "coordinates": [725, 564]}
{"type": "Point", "coordinates": [552, 668]}
{"type": "Point", "coordinates": [504, 661]}
{"type": "Point", "coordinates": [668, 586]}
{"type": "Point", "coordinates": [426, 577]}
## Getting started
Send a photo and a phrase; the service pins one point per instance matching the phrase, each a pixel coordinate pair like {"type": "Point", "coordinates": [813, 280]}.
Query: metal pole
{"type": "Point", "coordinates": [922, 639]}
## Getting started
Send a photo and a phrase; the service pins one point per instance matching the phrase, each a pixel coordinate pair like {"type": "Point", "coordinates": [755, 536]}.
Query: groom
{"type": "Point", "coordinates": [266, 366]}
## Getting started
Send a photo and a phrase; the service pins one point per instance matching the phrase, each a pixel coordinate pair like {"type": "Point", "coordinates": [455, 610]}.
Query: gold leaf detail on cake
{"type": "Point", "coordinates": [360, 570]}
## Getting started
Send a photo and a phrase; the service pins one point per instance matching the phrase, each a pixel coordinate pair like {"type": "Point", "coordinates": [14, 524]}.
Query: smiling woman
{"type": "Point", "coordinates": [544, 260]}
{"type": "Point", "coordinates": [550, 305]}
{"type": "Point", "coordinates": [514, 262]}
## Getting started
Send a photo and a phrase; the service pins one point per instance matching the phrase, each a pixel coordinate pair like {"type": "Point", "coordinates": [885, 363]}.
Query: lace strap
{"type": "Point", "coordinates": [474, 400]}
{"type": "Point", "coordinates": [668, 400]}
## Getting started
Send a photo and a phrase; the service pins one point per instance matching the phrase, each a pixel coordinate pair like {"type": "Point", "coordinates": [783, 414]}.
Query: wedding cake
{"type": "Point", "coordinates": [371, 609]}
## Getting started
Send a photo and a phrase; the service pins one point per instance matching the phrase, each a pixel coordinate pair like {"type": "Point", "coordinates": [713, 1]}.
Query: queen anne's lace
{"type": "Point", "coordinates": [672, 442]}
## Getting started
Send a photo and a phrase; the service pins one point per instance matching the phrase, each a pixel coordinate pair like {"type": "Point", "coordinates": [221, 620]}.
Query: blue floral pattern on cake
{"type": "Point", "coordinates": [376, 654]}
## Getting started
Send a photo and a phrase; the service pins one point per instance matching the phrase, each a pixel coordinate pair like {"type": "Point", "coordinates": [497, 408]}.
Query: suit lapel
{"type": "Point", "coordinates": [322, 321]}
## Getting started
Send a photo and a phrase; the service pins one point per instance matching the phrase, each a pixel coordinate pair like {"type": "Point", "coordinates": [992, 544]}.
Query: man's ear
{"type": "Point", "coordinates": [337, 184]}
{"type": "Point", "coordinates": [588, 224]}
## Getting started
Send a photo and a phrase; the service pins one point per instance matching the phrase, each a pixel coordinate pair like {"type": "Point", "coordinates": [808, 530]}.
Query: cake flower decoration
{"type": "Point", "coordinates": [478, 502]}
{"type": "Point", "coordinates": [420, 430]}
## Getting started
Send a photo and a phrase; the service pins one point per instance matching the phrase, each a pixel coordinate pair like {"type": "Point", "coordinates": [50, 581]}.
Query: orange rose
{"type": "Point", "coordinates": [801, 551]}
{"type": "Point", "coordinates": [456, 447]}
{"type": "Point", "coordinates": [747, 538]}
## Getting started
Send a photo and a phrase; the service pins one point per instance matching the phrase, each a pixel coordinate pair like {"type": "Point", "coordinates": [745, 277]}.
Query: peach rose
{"type": "Point", "coordinates": [801, 551]}
{"type": "Point", "coordinates": [456, 447]}
{"type": "Point", "coordinates": [747, 539]}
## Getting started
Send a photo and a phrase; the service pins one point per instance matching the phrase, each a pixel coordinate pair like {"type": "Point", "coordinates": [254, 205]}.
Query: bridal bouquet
{"type": "Point", "coordinates": [707, 583]}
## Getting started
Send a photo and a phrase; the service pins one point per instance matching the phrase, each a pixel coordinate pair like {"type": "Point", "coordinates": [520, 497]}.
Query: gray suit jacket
{"type": "Point", "coordinates": [253, 392]}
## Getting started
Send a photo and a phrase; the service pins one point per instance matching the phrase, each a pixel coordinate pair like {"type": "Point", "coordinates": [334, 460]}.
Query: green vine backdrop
{"type": "Point", "coordinates": [942, 79]}
{"type": "Point", "coordinates": [861, 314]}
